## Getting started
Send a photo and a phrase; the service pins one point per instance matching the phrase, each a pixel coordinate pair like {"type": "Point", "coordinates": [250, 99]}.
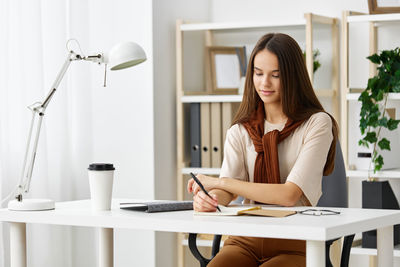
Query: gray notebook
{"type": "Point", "coordinates": [158, 206]}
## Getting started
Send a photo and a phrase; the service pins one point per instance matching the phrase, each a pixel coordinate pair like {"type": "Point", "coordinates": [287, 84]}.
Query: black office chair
{"type": "Point", "coordinates": [334, 194]}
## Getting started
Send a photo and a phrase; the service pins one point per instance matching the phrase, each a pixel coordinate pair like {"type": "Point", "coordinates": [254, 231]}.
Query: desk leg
{"type": "Point", "coordinates": [106, 247]}
{"type": "Point", "coordinates": [315, 253]}
{"type": "Point", "coordinates": [385, 246]}
{"type": "Point", "coordinates": [17, 244]}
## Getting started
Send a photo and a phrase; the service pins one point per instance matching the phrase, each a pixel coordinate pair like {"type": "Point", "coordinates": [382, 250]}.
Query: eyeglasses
{"type": "Point", "coordinates": [315, 212]}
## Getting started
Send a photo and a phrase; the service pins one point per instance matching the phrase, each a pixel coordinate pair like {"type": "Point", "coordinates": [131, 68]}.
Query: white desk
{"type": "Point", "coordinates": [315, 230]}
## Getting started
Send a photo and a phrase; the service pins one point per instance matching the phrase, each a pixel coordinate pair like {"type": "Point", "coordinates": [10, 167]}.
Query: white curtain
{"type": "Point", "coordinates": [33, 37]}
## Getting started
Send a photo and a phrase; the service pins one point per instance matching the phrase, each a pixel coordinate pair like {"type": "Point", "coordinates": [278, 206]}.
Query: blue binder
{"type": "Point", "coordinates": [195, 135]}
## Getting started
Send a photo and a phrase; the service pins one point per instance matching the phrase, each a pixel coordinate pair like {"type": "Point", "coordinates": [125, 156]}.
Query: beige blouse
{"type": "Point", "coordinates": [302, 156]}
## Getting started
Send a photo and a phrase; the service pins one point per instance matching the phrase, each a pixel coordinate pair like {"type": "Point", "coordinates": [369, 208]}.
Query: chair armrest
{"type": "Point", "coordinates": [345, 257]}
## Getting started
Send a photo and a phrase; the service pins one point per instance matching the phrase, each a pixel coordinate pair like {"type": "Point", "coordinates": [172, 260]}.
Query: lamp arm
{"type": "Point", "coordinates": [70, 57]}
{"type": "Point", "coordinates": [38, 109]}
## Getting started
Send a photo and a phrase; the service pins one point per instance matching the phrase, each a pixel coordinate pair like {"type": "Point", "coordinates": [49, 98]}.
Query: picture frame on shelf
{"type": "Point", "coordinates": [226, 67]}
{"type": "Point", "coordinates": [383, 6]}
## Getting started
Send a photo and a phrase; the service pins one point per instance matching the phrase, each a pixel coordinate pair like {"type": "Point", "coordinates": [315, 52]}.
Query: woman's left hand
{"type": "Point", "coordinates": [207, 181]}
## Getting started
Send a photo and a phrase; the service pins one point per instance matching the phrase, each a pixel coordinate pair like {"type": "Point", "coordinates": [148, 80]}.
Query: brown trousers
{"type": "Point", "coordinates": [266, 252]}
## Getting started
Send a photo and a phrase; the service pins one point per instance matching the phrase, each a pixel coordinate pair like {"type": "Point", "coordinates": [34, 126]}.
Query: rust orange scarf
{"type": "Point", "coordinates": [266, 168]}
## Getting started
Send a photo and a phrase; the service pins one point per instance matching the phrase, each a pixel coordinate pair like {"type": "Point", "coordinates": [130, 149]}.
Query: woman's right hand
{"type": "Point", "coordinates": [202, 202]}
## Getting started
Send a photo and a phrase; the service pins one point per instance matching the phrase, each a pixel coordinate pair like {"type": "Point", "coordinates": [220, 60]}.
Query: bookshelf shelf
{"type": "Point", "coordinates": [211, 98]}
{"type": "Point", "coordinates": [358, 250]}
{"type": "Point", "coordinates": [390, 174]}
{"type": "Point", "coordinates": [355, 96]}
{"type": "Point", "coordinates": [207, 171]}
{"type": "Point", "coordinates": [374, 18]}
{"type": "Point", "coordinates": [202, 243]}
{"type": "Point", "coordinates": [240, 25]}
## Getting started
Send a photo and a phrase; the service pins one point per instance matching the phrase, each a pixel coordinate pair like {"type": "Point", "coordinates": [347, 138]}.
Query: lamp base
{"type": "Point", "coordinates": [31, 205]}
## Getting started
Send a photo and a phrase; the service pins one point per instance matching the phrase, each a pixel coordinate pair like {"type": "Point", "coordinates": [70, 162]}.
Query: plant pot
{"type": "Point", "coordinates": [378, 195]}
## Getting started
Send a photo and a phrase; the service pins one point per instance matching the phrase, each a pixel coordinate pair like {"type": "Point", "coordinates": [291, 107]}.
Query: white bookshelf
{"type": "Point", "coordinates": [347, 97]}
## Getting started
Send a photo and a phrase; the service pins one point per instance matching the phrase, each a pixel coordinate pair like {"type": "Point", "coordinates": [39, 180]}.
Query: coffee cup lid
{"type": "Point", "coordinates": [101, 167]}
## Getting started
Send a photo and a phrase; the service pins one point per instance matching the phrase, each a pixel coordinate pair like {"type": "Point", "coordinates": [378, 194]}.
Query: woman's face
{"type": "Point", "coordinates": [266, 77]}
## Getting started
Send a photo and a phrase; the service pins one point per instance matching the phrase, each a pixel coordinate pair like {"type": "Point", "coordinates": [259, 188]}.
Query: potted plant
{"type": "Point", "coordinates": [373, 104]}
{"type": "Point", "coordinates": [379, 194]}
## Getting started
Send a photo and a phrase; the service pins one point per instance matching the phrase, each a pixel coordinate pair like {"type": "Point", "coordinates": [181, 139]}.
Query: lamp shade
{"type": "Point", "coordinates": [125, 55]}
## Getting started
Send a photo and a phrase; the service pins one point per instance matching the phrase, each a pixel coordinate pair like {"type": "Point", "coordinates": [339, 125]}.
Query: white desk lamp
{"type": "Point", "coordinates": [121, 56]}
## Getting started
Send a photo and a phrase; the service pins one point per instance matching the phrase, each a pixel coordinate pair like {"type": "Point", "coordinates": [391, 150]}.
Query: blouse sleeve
{"type": "Point", "coordinates": [233, 165]}
{"type": "Point", "coordinates": [307, 171]}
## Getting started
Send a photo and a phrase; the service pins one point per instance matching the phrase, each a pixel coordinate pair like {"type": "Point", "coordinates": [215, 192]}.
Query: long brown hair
{"type": "Point", "coordinates": [298, 98]}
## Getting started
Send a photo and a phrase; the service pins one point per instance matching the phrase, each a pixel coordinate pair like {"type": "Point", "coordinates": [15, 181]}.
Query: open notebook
{"type": "Point", "coordinates": [240, 210]}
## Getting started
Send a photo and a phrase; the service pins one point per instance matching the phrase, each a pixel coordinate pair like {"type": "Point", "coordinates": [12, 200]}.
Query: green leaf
{"type": "Point", "coordinates": [371, 137]}
{"type": "Point", "coordinates": [379, 97]}
{"type": "Point", "coordinates": [378, 163]}
{"type": "Point", "coordinates": [382, 85]}
{"type": "Point", "coordinates": [372, 82]}
{"type": "Point", "coordinates": [374, 59]}
{"type": "Point", "coordinates": [383, 122]}
{"type": "Point", "coordinates": [388, 66]}
{"type": "Point", "coordinates": [385, 56]}
{"type": "Point", "coordinates": [363, 143]}
{"type": "Point", "coordinates": [392, 124]}
{"type": "Point", "coordinates": [384, 144]}
{"type": "Point", "coordinates": [373, 117]}
{"type": "Point", "coordinates": [395, 82]}
{"type": "Point", "coordinates": [363, 125]}
{"type": "Point", "coordinates": [316, 66]}
{"type": "Point", "coordinates": [396, 66]}
{"type": "Point", "coordinates": [396, 88]}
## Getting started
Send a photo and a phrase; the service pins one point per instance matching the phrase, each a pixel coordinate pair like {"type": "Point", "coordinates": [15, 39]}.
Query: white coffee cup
{"type": "Point", "coordinates": [101, 176]}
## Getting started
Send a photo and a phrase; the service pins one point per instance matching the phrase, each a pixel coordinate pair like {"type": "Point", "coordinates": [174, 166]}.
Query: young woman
{"type": "Point", "coordinates": [280, 145]}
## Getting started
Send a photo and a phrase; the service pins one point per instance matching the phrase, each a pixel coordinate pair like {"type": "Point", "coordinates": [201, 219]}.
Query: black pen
{"type": "Point", "coordinates": [202, 187]}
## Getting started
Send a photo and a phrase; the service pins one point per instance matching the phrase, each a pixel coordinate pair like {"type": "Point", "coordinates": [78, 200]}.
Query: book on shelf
{"type": "Point", "coordinates": [216, 137]}
{"type": "Point", "coordinates": [195, 145]}
{"type": "Point", "coordinates": [205, 125]}
{"type": "Point", "coordinates": [246, 210]}
{"type": "Point", "coordinates": [158, 206]}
